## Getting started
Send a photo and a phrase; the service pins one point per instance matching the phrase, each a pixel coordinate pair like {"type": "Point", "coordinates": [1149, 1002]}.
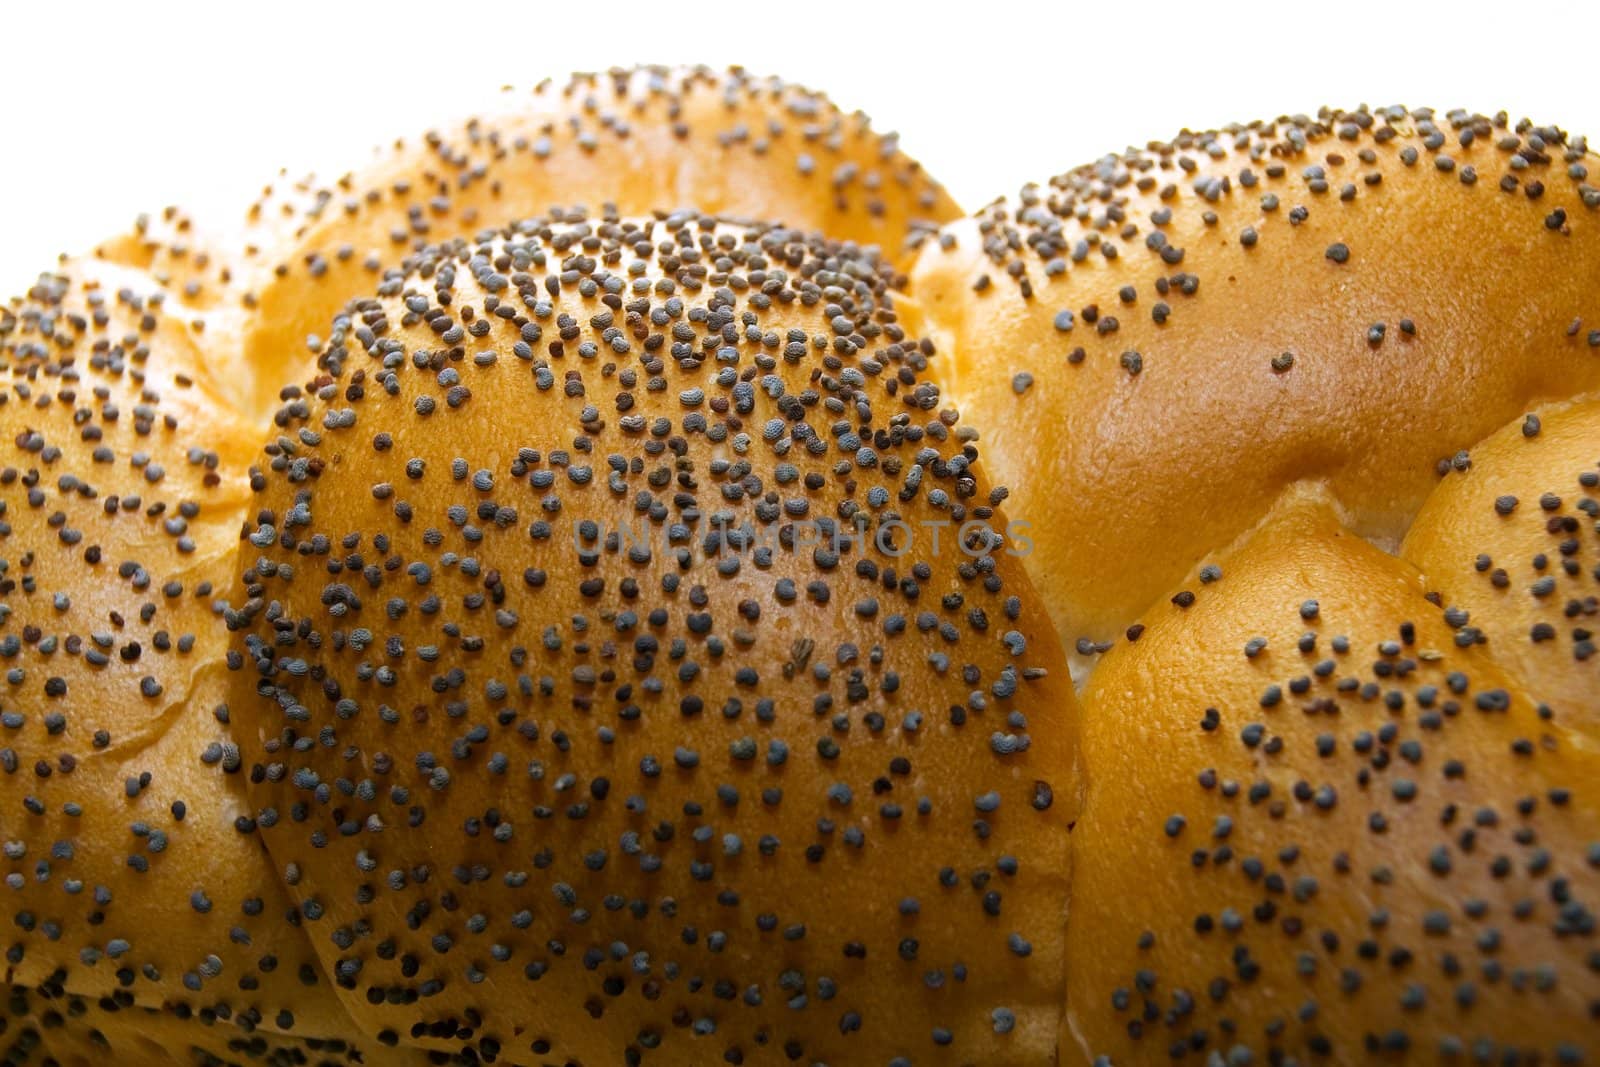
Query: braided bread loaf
{"type": "Point", "coordinates": [446, 624]}
{"type": "Point", "coordinates": [1340, 804]}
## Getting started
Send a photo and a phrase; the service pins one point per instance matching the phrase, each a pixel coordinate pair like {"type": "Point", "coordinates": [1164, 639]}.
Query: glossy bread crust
{"type": "Point", "coordinates": [572, 713]}
{"type": "Point", "coordinates": [1159, 343]}
{"type": "Point", "coordinates": [440, 624]}
{"type": "Point", "coordinates": [631, 140]}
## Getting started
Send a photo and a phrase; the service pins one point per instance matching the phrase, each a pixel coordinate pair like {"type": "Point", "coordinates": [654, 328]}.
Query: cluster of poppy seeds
{"type": "Point", "coordinates": [557, 782]}
{"type": "Point", "coordinates": [454, 174]}
{"type": "Point", "coordinates": [49, 1027]}
{"type": "Point", "coordinates": [723, 141]}
{"type": "Point", "coordinates": [1085, 214]}
{"type": "Point", "coordinates": [125, 841]}
{"type": "Point", "coordinates": [1375, 846]}
{"type": "Point", "coordinates": [1512, 545]}
{"type": "Point", "coordinates": [1562, 580]}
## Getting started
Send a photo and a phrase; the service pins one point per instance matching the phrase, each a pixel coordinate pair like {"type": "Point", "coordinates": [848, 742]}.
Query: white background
{"type": "Point", "coordinates": [106, 111]}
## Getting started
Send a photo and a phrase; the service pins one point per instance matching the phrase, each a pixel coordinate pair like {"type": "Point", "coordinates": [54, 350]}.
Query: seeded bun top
{"type": "Point", "coordinates": [635, 140]}
{"type": "Point", "coordinates": [1351, 299]}
{"type": "Point", "coordinates": [569, 794]}
{"type": "Point", "coordinates": [130, 861]}
{"type": "Point", "coordinates": [1318, 828]}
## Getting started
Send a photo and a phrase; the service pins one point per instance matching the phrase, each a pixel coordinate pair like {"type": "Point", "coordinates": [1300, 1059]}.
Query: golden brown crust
{"type": "Point", "coordinates": [1512, 545]}
{"type": "Point", "coordinates": [130, 863]}
{"type": "Point", "coordinates": [1156, 344]}
{"type": "Point", "coordinates": [1318, 830]}
{"type": "Point", "coordinates": [578, 799]}
{"type": "Point", "coordinates": [492, 780]}
{"type": "Point", "coordinates": [633, 139]}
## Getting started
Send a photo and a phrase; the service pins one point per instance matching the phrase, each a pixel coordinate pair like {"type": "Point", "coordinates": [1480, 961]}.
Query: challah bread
{"type": "Point", "coordinates": [1319, 830]}
{"type": "Point", "coordinates": [416, 606]}
{"type": "Point", "coordinates": [1155, 345]}
{"type": "Point", "coordinates": [567, 789]}
{"type": "Point", "coordinates": [636, 140]}
{"type": "Point", "coordinates": [130, 866]}
{"type": "Point", "coordinates": [1512, 545]}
